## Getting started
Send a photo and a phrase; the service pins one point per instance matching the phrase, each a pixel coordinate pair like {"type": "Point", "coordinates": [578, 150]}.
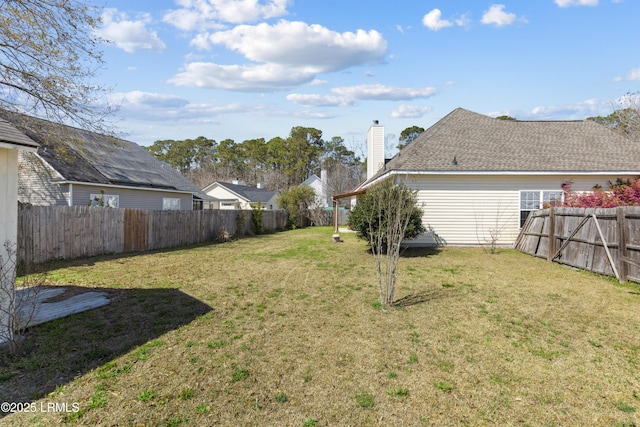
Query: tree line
{"type": "Point", "coordinates": [277, 164]}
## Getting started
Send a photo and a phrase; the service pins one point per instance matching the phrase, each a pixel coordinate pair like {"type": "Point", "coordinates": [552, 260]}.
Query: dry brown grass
{"type": "Point", "coordinates": [284, 330]}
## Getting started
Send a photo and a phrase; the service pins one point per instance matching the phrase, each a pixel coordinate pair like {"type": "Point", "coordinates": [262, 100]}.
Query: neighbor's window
{"type": "Point", "coordinates": [533, 200]}
{"type": "Point", "coordinates": [106, 200]}
{"type": "Point", "coordinates": [170, 204]}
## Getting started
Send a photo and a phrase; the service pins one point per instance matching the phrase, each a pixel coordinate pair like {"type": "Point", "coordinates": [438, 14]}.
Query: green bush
{"type": "Point", "coordinates": [296, 200]}
{"type": "Point", "coordinates": [385, 204]}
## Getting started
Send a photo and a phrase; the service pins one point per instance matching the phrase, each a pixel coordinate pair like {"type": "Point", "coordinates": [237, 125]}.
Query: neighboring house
{"type": "Point", "coordinates": [237, 196]}
{"type": "Point", "coordinates": [319, 186]}
{"type": "Point", "coordinates": [12, 142]}
{"type": "Point", "coordinates": [478, 176]}
{"type": "Point", "coordinates": [75, 167]}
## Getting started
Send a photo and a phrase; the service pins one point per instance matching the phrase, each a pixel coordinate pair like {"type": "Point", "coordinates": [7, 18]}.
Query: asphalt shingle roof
{"type": "Point", "coordinates": [482, 143]}
{"type": "Point", "coordinates": [84, 156]}
{"type": "Point", "coordinates": [11, 135]}
{"type": "Point", "coordinates": [253, 194]}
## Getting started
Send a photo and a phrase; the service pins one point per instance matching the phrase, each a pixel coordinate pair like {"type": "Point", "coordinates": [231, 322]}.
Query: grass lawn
{"type": "Point", "coordinates": [286, 330]}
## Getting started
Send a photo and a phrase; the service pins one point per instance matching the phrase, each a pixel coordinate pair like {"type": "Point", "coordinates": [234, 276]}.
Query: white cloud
{"type": "Point", "coordinates": [283, 56]}
{"type": "Point", "coordinates": [163, 107]}
{"type": "Point", "coordinates": [140, 99]}
{"type": "Point", "coordinates": [349, 95]}
{"type": "Point", "coordinates": [497, 16]}
{"type": "Point", "coordinates": [576, 111]}
{"type": "Point", "coordinates": [243, 78]}
{"type": "Point", "coordinates": [407, 111]}
{"type": "Point", "coordinates": [631, 75]}
{"type": "Point", "coordinates": [433, 20]}
{"type": "Point", "coordinates": [384, 93]}
{"type": "Point", "coordinates": [316, 100]}
{"type": "Point", "coordinates": [207, 14]}
{"type": "Point", "coordinates": [567, 3]}
{"type": "Point", "coordinates": [129, 35]}
{"type": "Point", "coordinates": [297, 44]}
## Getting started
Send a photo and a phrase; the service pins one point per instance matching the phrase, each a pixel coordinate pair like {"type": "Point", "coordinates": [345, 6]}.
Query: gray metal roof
{"type": "Point", "coordinates": [468, 141]}
{"type": "Point", "coordinates": [11, 135]}
{"type": "Point", "coordinates": [83, 156]}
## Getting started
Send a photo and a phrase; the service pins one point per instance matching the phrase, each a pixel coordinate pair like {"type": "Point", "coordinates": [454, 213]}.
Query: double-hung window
{"type": "Point", "coordinates": [170, 203]}
{"type": "Point", "coordinates": [533, 200]}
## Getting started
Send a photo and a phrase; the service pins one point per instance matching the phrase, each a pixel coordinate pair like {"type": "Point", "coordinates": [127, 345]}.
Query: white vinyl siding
{"type": "Point", "coordinates": [36, 182]}
{"type": "Point", "coordinates": [463, 209]}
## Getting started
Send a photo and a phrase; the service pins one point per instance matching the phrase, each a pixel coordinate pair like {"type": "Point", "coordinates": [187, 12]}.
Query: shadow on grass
{"type": "Point", "coordinates": [419, 298]}
{"type": "Point", "coordinates": [56, 352]}
{"type": "Point", "coordinates": [420, 252]}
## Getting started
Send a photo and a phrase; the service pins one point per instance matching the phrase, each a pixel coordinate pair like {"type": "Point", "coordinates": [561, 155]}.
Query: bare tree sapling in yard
{"type": "Point", "coordinates": [385, 216]}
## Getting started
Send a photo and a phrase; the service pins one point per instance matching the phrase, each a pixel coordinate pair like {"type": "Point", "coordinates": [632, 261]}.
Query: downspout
{"type": "Point", "coordinates": [70, 194]}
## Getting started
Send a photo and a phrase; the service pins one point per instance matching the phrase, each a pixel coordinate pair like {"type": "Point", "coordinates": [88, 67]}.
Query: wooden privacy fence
{"type": "Point", "coordinates": [605, 241]}
{"type": "Point", "coordinates": [63, 232]}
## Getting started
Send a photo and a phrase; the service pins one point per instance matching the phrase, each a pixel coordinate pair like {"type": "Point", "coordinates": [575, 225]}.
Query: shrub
{"type": "Point", "coordinates": [296, 200]}
{"type": "Point", "coordinates": [377, 209]}
{"type": "Point", "coordinates": [621, 193]}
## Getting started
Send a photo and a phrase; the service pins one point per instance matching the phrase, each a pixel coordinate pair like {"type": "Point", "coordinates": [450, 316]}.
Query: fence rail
{"type": "Point", "coordinates": [48, 233]}
{"type": "Point", "coordinates": [605, 241]}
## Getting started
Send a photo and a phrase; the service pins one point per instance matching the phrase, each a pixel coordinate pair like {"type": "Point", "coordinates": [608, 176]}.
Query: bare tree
{"type": "Point", "coordinates": [49, 55]}
{"type": "Point", "coordinates": [390, 215]}
{"type": "Point", "coordinates": [489, 234]}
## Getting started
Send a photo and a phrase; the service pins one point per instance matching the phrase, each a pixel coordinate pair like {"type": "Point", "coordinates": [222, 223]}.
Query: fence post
{"type": "Point", "coordinates": [623, 267]}
{"type": "Point", "coordinates": [551, 234]}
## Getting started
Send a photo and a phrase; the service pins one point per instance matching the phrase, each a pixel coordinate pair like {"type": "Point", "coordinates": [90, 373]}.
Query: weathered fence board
{"type": "Point", "coordinates": [605, 241]}
{"type": "Point", "coordinates": [64, 232]}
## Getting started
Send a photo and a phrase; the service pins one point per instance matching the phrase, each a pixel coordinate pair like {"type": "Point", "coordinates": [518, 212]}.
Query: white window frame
{"type": "Point", "coordinates": [109, 200]}
{"type": "Point", "coordinates": [539, 199]}
{"type": "Point", "coordinates": [170, 203]}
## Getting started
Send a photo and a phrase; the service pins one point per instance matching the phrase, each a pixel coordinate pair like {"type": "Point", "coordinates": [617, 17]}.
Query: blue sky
{"type": "Point", "coordinates": [244, 69]}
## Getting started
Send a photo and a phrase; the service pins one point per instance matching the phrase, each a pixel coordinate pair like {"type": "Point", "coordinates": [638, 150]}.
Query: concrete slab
{"type": "Point", "coordinates": [36, 307]}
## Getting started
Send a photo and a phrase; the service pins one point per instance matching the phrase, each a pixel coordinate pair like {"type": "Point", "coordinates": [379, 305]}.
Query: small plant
{"type": "Point", "coordinates": [391, 375]}
{"type": "Point", "coordinates": [624, 407]}
{"type": "Point", "coordinates": [175, 421]}
{"type": "Point", "coordinates": [364, 400]}
{"type": "Point", "coordinates": [444, 386]}
{"type": "Point", "coordinates": [202, 408]}
{"type": "Point", "coordinates": [239, 375]}
{"type": "Point", "coordinates": [398, 392]}
{"type": "Point", "coordinates": [413, 358]}
{"type": "Point", "coordinates": [216, 344]}
{"type": "Point", "coordinates": [146, 396]}
{"type": "Point", "coordinates": [256, 219]}
{"type": "Point", "coordinates": [185, 394]}
{"type": "Point", "coordinates": [98, 400]}
{"type": "Point", "coordinates": [281, 398]}
{"type": "Point", "coordinates": [309, 422]}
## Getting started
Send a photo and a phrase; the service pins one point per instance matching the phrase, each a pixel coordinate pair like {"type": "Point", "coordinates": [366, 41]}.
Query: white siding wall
{"type": "Point", "coordinates": [34, 184]}
{"type": "Point", "coordinates": [8, 225]}
{"type": "Point", "coordinates": [226, 197]}
{"type": "Point", "coordinates": [462, 209]}
{"type": "Point", "coordinates": [131, 198]}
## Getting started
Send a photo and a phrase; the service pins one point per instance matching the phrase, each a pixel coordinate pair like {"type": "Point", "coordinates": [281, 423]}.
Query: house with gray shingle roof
{"type": "Point", "coordinates": [237, 196]}
{"type": "Point", "coordinates": [477, 175]}
{"type": "Point", "coordinates": [76, 167]}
